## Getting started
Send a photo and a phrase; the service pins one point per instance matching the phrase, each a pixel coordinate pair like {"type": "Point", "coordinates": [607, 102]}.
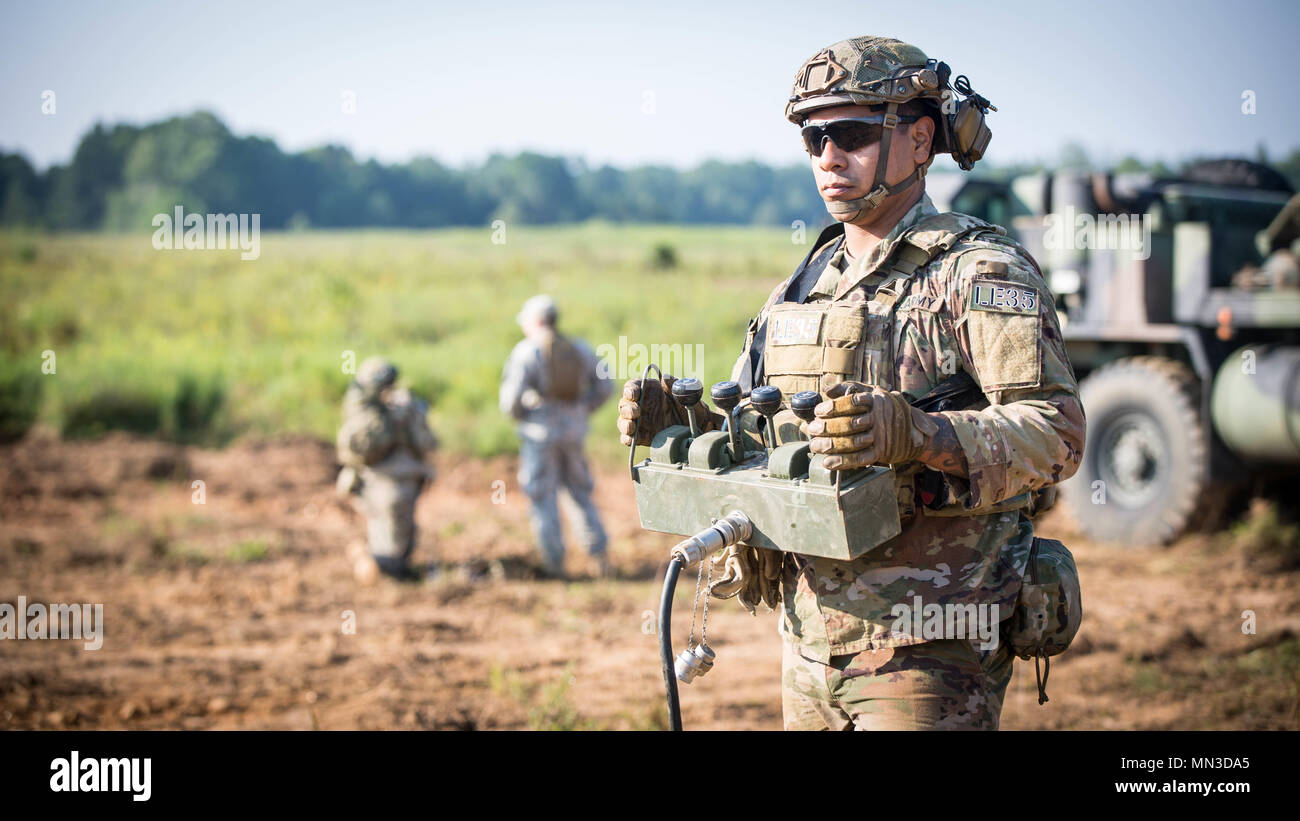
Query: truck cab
{"type": "Point", "coordinates": [1179, 301]}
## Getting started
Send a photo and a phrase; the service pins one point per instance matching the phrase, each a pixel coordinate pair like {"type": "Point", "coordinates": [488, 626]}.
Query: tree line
{"type": "Point", "coordinates": [121, 176]}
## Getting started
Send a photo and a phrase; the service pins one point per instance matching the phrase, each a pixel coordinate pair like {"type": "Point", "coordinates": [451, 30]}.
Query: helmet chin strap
{"type": "Point", "coordinates": [850, 210]}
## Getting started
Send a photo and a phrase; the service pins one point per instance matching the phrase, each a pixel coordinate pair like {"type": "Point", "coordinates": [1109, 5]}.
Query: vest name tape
{"type": "Point", "coordinates": [1003, 297]}
{"type": "Point", "coordinates": [795, 328]}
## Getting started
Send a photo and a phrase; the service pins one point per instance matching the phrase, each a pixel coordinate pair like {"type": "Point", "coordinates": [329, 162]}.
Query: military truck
{"type": "Point", "coordinates": [1180, 305]}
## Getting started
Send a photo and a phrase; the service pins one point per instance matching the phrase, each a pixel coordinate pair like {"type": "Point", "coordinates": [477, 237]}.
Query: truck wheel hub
{"type": "Point", "coordinates": [1132, 458]}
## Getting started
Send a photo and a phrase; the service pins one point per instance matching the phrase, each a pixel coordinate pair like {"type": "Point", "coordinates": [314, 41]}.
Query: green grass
{"type": "Point", "coordinates": [548, 704]}
{"type": "Point", "coordinates": [203, 346]}
{"type": "Point", "coordinates": [1148, 679]}
{"type": "Point", "coordinates": [20, 397]}
{"type": "Point", "coordinates": [1269, 533]}
{"type": "Point", "coordinates": [249, 550]}
{"type": "Point", "coordinates": [183, 553]}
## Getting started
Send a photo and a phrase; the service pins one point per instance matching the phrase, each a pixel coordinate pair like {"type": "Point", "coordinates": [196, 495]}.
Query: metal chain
{"type": "Point", "coordinates": [695, 602]}
{"type": "Point", "coordinates": [704, 626]}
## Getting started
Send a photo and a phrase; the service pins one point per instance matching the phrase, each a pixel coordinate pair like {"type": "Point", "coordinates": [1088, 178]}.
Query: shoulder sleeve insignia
{"type": "Point", "coordinates": [1002, 296]}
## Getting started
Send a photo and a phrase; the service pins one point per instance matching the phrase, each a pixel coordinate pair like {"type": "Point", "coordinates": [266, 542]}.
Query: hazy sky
{"type": "Point", "coordinates": [665, 82]}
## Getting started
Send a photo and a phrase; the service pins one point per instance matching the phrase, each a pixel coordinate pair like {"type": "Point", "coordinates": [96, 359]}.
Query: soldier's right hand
{"type": "Point", "coordinates": [651, 403]}
{"type": "Point", "coordinates": [648, 407]}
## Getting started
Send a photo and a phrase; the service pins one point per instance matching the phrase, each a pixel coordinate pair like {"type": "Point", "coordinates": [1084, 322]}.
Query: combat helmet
{"type": "Point", "coordinates": [880, 71]}
{"type": "Point", "coordinates": [540, 307]}
{"type": "Point", "coordinates": [375, 374]}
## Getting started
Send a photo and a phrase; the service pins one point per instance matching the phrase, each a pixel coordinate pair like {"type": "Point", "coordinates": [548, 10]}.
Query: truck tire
{"type": "Point", "coordinates": [1143, 476]}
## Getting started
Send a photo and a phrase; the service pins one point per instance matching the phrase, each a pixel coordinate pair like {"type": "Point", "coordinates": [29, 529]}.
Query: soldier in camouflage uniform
{"type": "Point", "coordinates": [382, 445]}
{"type": "Point", "coordinates": [894, 304]}
{"type": "Point", "coordinates": [550, 386]}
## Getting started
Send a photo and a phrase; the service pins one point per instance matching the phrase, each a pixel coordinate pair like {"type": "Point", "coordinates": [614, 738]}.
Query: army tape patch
{"type": "Point", "coordinates": [794, 328]}
{"type": "Point", "coordinates": [921, 302]}
{"type": "Point", "coordinates": [1003, 297]}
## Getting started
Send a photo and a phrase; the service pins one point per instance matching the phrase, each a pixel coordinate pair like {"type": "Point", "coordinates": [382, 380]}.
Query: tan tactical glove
{"type": "Point", "coordinates": [769, 566]}
{"type": "Point", "coordinates": [752, 575]}
{"type": "Point", "coordinates": [651, 402]}
{"type": "Point", "coordinates": [862, 425]}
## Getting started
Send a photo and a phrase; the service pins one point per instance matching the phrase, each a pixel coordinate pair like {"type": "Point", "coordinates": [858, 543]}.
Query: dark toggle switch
{"type": "Point", "coordinates": [688, 391]}
{"type": "Point", "coordinates": [766, 399]}
{"type": "Point", "coordinates": [804, 403]}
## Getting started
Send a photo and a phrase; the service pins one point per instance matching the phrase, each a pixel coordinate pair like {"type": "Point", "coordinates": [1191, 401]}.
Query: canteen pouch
{"type": "Point", "coordinates": [1049, 608]}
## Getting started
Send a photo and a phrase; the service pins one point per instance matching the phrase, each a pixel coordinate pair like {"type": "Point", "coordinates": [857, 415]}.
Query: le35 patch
{"type": "Point", "coordinates": [1003, 297]}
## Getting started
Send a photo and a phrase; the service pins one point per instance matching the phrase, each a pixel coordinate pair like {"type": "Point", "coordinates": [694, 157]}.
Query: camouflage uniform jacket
{"type": "Point", "coordinates": [553, 420]}
{"type": "Point", "coordinates": [980, 306]}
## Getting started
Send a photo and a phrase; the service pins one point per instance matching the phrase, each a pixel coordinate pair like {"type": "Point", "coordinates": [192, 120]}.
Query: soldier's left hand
{"type": "Point", "coordinates": [862, 425]}
{"type": "Point", "coordinates": [751, 575]}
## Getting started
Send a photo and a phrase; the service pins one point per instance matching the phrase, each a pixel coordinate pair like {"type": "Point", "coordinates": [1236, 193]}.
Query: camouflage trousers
{"type": "Point", "coordinates": [938, 685]}
{"type": "Point", "coordinates": [545, 468]}
{"type": "Point", "coordinates": [389, 507]}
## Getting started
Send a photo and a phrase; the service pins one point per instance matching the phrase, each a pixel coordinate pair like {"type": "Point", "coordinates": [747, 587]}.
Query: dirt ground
{"type": "Point", "coordinates": [238, 612]}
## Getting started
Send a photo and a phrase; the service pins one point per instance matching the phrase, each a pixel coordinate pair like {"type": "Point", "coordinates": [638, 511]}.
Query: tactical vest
{"type": "Point", "coordinates": [563, 364]}
{"type": "Point", "coordinates": [813, 346]}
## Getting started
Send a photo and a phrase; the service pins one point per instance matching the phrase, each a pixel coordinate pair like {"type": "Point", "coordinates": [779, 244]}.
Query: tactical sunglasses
{"type": "Point", "coordinates": [849, 133]}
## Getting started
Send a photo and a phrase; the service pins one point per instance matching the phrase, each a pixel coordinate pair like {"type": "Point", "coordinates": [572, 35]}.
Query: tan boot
{"type": "Point", "coordinates": [364, 569]}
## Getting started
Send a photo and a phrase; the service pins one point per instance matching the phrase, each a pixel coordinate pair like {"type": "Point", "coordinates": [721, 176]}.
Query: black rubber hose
{"type": "Point", "coordinates": [666, 642]}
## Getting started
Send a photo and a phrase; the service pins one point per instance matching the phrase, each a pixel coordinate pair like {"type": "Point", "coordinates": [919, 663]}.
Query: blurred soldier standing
{"type": "Point", "coordinates": [897, 304]}
{"type": "Point", "coordinates": [550, 385]}
{"type": "Point", "coordinates": [382, 445]}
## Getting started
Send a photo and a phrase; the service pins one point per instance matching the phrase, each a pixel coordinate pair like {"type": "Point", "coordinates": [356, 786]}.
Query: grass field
{"type": "Point", "coordinates": [199, 345]}
{"type": "Point", "coordinates": [227, 616]}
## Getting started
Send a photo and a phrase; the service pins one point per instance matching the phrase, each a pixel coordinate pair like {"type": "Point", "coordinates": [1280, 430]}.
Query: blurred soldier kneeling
{"type": "Point", "coordinates": [382, 445]}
